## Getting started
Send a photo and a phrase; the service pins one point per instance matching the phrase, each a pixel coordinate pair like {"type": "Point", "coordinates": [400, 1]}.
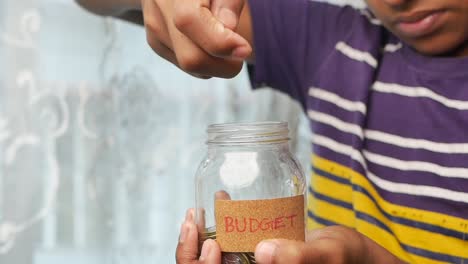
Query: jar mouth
{"type": "Point", "coordinates": [248, 133]}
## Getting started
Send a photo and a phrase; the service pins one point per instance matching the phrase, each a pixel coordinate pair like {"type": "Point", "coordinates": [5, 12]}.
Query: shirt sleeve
{"type": "Point", "coordinates": [292, 38]}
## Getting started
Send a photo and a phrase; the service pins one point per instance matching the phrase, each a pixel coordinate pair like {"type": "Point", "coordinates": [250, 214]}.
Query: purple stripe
{"type": "Point", "coordinates": [337, 135]}
{"type": "Point", "coordinates": [283, 76]}
{"type": "Point", "coordinates": [417, 118]}
{"type": "Point", "coordinates": [452, 208]}
{"type": "Point", "coordinates": [418, 178]}
{"type": "Point", "coordinates": [447, 74]}
{"type": "Point", "coordinates": [442, 159]}
{"type": "Point", "coordinates": [341, 68]}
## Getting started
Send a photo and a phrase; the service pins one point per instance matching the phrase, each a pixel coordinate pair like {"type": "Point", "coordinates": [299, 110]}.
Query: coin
{"type": "Point", "coordinates": [228, 257]}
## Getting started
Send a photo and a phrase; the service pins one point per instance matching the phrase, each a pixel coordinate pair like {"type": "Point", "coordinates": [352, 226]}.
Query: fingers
{"type": "Point", "coordinates": [187, 248]}
{"type": "Point", "coordinates": [193, 59]}
{"type": "Point", "coordinates": [200, 213]}
{"type": "Point", "coordinates": [222, 195]}
{"type": "Point", "coordinates": [155, 22]}
{"type": "Point", "coordinates": [201, 220]}
{"type": "Point", "coordinates": [157, 35]}
{"type": "Point", "coordinates": [161, 49]}
{"type": "Point", "coordinates": [211, 253]}
{"type": "Point", "coordinates": [203, 52]}
{"type": "Point", "coordinates": [279, 251]}
{"type": "Point", "coordinates": [196, 21]}
{"type": "Point", "coordinates": [297, 252]}
{"type": "Point", "coordinates": [227, 12]}
{"type": "Point", "coordinates": [329, 245]}
{"type": "Point", "coordinates": [167, 54]}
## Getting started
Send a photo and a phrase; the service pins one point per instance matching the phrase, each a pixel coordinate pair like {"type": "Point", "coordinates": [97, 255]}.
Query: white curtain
{"type": "Point", "coordinates": [100, 138]}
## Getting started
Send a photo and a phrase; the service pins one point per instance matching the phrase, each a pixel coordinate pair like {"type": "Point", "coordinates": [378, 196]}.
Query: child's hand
{"type": "Point", "coordinates": [199, 36]}
{"type": "Point", "coordinates": [333, 244]}
{"type": "Point", "coordinates": [328, 245]}
{"type": "Point", "coordinates": [187, 249]}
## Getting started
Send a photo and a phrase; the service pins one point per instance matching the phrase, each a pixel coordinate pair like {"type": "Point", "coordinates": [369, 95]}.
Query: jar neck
{"type": "Point", "coordinates": [277, 146]}
{"type": "Point", "coordinates": [263, 134]}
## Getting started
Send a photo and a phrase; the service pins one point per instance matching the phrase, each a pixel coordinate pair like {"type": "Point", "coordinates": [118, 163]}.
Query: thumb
{"type": "Point", "coordinates": [227, 11]}
{"type": "Point", "coordinates": [211, 253]}
{"type": "Point", "coordinates": [278, 251]}
{"type": "Point", "coordinates": [295, 252]}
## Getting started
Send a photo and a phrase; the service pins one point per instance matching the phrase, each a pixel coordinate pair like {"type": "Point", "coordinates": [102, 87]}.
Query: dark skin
{"type": "Point", "coordinates": [204, 41]}
{"type": "Point", "coordinates": [449, 37]}
{"type": "Point", "coordinates": [330, 245]}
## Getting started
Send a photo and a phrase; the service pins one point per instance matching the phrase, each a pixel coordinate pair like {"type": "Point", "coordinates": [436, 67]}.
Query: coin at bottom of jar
{"type": "Point", "coordinates": [228, 257]}
{"type": "Point", "coordinates": [238, 258]}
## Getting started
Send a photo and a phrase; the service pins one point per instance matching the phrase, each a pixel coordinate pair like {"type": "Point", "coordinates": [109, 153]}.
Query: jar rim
{"type": "Point", "coordinates": [267, 132]}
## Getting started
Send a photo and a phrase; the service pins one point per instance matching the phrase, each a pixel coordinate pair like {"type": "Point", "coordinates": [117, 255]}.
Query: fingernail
{"type": "Point", "coordinates": [265, 251]}
{"type": "Point", "coordinates": [184, 230]}
{"type": "Point", "coordinates": [228, 18]}
{"type": "Point", "coordinates": [241, 52]}
{"type": "Point", "coordinates": [189, 215]}
{"type": "Point", "coordinates": [206, 249]}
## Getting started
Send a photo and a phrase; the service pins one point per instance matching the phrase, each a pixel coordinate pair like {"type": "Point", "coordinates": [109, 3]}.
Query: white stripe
{"type": "Point", "coordinates": [335, 122]}
{"type": "Point", "coordinates": [395, 140]}
{"type": "Point", "coordinates": [413, 143]}
{"type": "Point", "coordinates": [392, 47]}
{"type": "Point", "coordinates": [355, 4]}
{"type": "Point", "coordinates": [419, 92]}
{"type": "Point", "coordinates": [371, 19]}
{"type": "Point", "coordinates": [449, 172]}
{"type": "Point", "coordinates": [418, 190]}
{"type": "Point", "coordinates": [341, 102]}
{"type": "Point", "coordinates": [355, 54]}
{"type": "Point", "coordinates": [338, 147]}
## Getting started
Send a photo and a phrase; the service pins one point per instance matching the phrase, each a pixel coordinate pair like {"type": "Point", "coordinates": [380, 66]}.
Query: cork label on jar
{"type": "Point", "coordinates": [241, 225]}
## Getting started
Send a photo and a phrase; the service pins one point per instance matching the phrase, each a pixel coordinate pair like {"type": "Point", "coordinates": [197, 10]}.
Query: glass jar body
{"type": "Point", "coordinates": [263, 170]}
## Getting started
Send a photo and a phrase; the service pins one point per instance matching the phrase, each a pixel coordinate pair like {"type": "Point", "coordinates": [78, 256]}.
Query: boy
{"type": "Point", "coordinates": [387, 96]}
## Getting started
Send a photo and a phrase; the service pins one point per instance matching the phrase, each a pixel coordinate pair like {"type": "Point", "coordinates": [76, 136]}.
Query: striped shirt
{"type": "Point", "coordinates": [390, 126]}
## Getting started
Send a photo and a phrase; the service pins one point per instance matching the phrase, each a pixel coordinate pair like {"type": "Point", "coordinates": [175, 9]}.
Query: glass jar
{"type": "Point", "coordinates": [249, 171]}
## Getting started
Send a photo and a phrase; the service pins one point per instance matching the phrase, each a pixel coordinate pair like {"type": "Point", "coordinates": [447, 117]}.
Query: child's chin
{"type": "Point", "coordinates": [441, 47]}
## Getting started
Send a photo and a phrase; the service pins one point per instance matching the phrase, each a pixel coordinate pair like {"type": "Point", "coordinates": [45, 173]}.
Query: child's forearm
{"type": "Point", "coordinates": [110, 7]}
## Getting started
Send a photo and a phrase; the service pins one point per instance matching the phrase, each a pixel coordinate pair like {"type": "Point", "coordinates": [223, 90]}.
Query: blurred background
{"type": "Point", "coordinates": [100, 138]}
